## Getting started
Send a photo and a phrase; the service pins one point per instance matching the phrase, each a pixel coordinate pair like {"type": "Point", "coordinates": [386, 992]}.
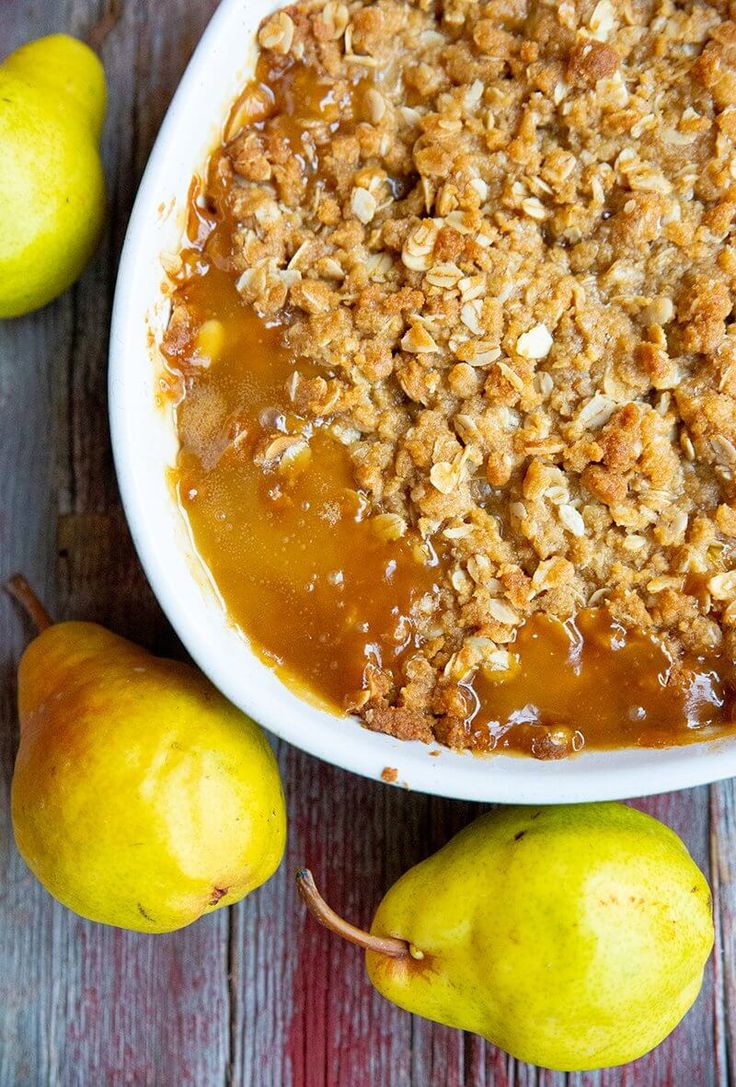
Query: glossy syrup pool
{"type": "Point", "coordinates": [299, 563]}
{"type": "Point", "coordinates": [301, 567]}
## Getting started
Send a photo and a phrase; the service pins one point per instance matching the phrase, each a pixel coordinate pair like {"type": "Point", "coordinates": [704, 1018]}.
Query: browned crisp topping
{"type": "Point", "coordinates": [389, 774]}
{"type": "Point", "coordinates": [497, 239]}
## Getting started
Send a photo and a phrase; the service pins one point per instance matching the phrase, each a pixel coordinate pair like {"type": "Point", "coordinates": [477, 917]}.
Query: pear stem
{"type": "Point", "coordinates": [19, 588]}
{"type": "Point", "coordinates": [315, 903]}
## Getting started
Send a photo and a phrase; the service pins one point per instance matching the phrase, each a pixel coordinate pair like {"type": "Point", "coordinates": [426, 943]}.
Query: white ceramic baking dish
{"type": "Point", "coordinates": [144, 445]}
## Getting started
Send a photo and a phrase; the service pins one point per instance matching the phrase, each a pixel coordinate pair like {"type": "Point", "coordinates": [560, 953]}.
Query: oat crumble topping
{"type": "Point", "coordinates": [500, 239]}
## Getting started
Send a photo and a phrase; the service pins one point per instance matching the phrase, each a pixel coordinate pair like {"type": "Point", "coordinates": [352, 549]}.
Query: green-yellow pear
{"type": "Point", "coordinates": [52, 189]}
{"type": "Point", "coordinates": [574, 937]}
{"type": "Point", "coordinates": [141, 797]}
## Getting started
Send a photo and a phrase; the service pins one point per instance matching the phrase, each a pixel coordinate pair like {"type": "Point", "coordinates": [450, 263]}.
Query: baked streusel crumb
{"type": "Point", "coordinates": [496, 239]}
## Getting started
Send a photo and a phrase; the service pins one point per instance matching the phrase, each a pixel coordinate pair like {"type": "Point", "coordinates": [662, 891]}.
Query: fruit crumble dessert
{"type": "Point", "coordinates": [454, 362]}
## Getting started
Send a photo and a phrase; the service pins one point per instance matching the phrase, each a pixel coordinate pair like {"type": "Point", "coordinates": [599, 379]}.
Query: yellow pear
{"type": "Point", "coordinates": [141, 797]}
{"type": "Point", "coordinates": [52, 189]}
{"type": "Point", "coordinates": [574, 937]}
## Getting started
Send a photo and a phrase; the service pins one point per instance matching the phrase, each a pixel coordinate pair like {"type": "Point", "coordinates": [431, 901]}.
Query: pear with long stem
{"type": "Point", "coordinates": [574, 937]}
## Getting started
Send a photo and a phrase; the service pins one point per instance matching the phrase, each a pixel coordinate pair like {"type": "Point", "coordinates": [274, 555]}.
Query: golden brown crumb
{"type": "Point", "coordinates": [590, 61]}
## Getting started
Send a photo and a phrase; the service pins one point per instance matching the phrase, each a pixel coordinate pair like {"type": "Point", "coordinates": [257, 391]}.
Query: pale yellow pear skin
{"type": "Point", "coordinates": [141, 797]}
{"type": "Point", "coordinates": [573, 937]}
{"type": "Point", "coordinates": [52, 188]}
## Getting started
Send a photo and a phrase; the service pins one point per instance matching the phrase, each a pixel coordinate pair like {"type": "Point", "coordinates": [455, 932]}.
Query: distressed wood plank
{"type": "Point", "coordinates": [26, 524]}
{"type": "Point", "coordinates": [723, 876]}
{"type": "Point", "coordinates": [328, 1025]}
{"type": "Point", "coordinates": [79, 1003]}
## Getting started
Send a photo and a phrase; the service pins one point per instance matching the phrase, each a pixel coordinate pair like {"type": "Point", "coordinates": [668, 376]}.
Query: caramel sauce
{"type": "Point", "coordinates": [321, 595]}
{"type": "Point", "coordinates": [589, 682]}
{"type": "Point", "coordinates": [290, 100]}
{"type": "Point", "coordinates": [301, 567]}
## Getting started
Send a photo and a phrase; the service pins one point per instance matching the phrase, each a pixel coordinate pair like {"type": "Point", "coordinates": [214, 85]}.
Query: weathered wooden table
{"type": "Point", "coordinates": [257, 995]}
